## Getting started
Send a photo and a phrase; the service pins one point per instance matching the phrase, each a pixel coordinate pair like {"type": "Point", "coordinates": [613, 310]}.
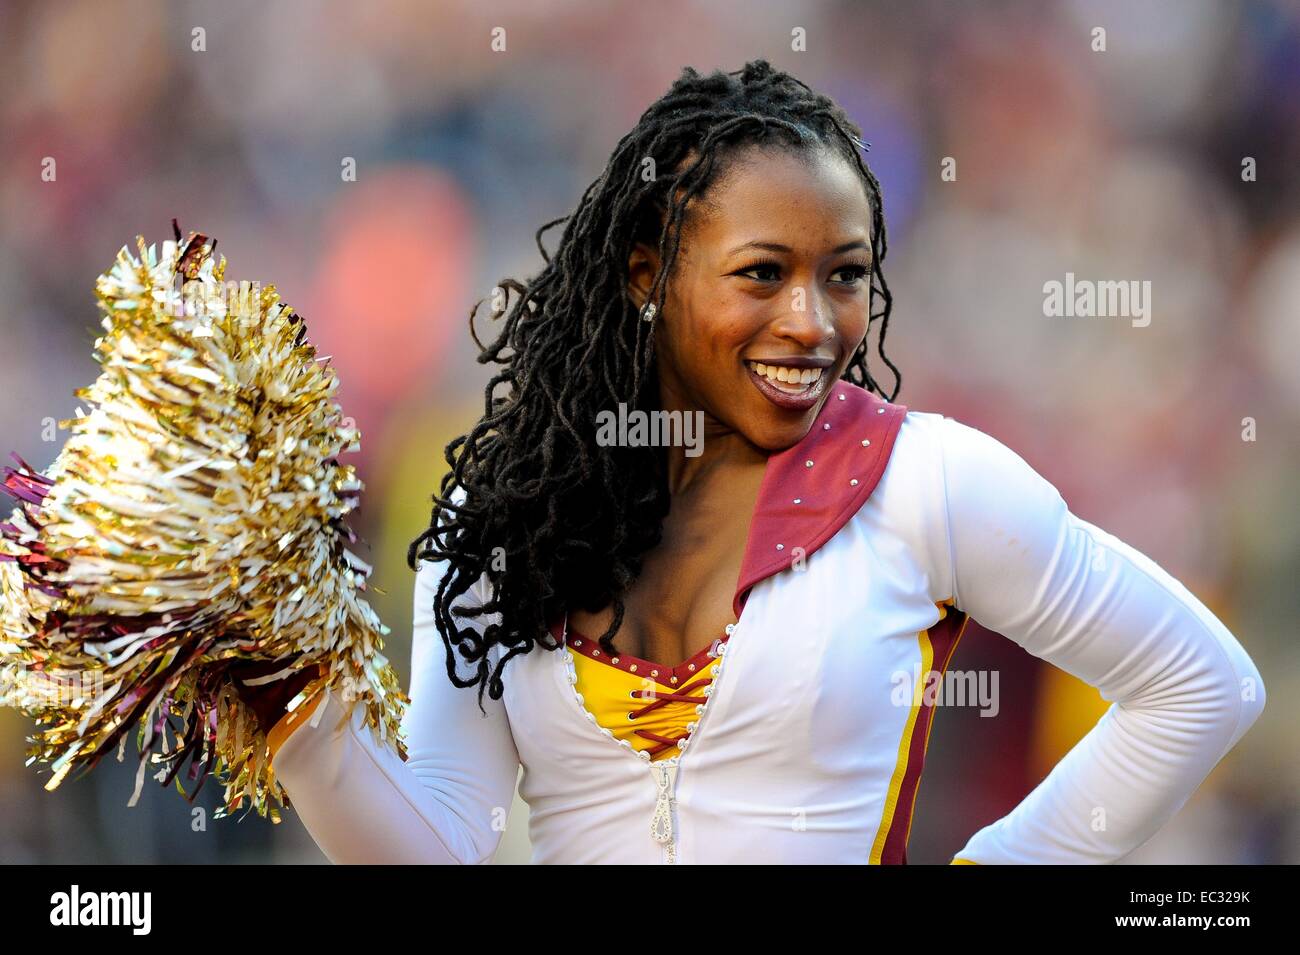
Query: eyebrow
{"type": "Point", "coordinates": [778, 247]}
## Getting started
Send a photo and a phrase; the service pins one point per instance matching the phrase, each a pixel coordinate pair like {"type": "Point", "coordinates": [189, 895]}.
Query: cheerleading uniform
{"type": "Point", "coordinates": [800, 735]}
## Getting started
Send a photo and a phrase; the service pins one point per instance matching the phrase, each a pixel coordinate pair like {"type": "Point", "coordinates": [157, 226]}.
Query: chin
{"type": "Point", "coordinates": [776, 432]}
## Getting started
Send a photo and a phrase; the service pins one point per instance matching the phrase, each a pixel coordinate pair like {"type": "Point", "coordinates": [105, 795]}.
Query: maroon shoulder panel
{"type": "Point", "coordinates": [811, 489]}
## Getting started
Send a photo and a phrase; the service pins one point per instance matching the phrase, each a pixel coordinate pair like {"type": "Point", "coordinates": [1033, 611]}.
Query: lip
{"type": "Point", "coordinates": [799, 402]}
{"type": "Point", "coordinates": [802, 362]}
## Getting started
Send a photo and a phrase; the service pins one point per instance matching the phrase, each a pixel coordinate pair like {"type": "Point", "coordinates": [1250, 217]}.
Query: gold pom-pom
{"type": "Point", "coordinates": [193, 521]}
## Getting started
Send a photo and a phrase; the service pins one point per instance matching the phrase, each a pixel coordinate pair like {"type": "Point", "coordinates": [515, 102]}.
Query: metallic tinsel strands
{"type": "Point", "coordinates": [194, 519]}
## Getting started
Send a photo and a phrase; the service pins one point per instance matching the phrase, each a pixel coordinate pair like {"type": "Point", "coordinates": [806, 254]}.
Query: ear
{"type": "Point", "coordinates": [642, 267]}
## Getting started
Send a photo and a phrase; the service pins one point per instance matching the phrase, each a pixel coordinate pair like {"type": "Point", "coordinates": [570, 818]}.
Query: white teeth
{"type": "Point", "coordinates": [798, 378]}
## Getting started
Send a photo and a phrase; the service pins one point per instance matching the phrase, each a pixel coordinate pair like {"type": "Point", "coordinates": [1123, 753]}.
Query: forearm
{"type": "Point", "coordinates": [358, 799]}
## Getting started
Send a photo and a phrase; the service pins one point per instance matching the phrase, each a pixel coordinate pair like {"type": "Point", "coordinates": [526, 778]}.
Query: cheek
{"type": "Point", "coordinates": [854, 330]}
{"type": "Point", "coordinates": [717, 324]}
{"type": "Point", "coordinates": [851, 323]}
{"type": "Point", "coordinates": [728, 333]}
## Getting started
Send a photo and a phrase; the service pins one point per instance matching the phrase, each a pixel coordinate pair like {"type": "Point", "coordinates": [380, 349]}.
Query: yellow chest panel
{"type": "Point", "coordinates": [650, 706]}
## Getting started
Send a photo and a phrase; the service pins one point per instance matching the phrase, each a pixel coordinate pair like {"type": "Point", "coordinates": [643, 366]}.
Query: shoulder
{"type": "Point", "coordinates": [984, 477]}
{"type": "Point", "coordinates": [917, 434]}
{"type": "Point", "coordinates": [913, 474]}
{"type": "Point", "coordinates": [938, 433]}
{"type": "Point", "coordinates": [967, 460]}
{"type": "Point", "coordinates": [923, 451]}
{"type": "Point", "coordinates": [952, 492]}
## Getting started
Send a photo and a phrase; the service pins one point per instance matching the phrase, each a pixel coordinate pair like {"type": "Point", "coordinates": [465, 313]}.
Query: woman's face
{"type": "Point", "coordinates": [769, 297]}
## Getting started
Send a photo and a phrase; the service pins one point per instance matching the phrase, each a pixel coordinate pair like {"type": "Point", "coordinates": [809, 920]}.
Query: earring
{"type": "Point", "coordinates": [648, 313]}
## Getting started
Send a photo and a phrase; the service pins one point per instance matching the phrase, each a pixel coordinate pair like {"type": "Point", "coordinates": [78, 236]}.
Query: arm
{"type": "Point", "coordinates": [447, 803]}
{"type": "Point", "coordinates": [1183, 690]}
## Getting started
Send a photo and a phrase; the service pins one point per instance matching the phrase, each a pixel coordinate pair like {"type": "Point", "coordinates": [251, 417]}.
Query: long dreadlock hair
{"type": "Point", "coordinates": [547, 516]}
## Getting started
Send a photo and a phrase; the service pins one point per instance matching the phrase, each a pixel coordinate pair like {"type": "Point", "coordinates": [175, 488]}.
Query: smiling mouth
{"type": "Point", "coordinates": [789, 387]}
{"type": "Point", "coordinates": [792, 381]}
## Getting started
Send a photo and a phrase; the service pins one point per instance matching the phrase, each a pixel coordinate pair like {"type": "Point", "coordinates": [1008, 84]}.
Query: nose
{"type": "Point", "coordinates": [810, 320]}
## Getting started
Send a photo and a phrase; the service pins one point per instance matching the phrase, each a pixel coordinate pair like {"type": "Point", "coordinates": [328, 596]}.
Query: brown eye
{"type": "Point", "coordinates": [762, 271]}
{"type": "Point", "coordinates": [855, 272]}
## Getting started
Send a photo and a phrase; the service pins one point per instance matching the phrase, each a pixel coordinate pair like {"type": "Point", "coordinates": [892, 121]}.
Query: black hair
{"type": "Point", "coordinates": [550, 518]}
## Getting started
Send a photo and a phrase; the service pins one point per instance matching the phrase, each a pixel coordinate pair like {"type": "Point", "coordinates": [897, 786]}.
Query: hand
{"type": "Point", "coordinates": [268, 700]}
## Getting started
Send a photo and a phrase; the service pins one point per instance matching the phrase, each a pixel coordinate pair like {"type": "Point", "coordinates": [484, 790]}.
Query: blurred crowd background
{"type": "Point", "coordinates": [1122, 164]}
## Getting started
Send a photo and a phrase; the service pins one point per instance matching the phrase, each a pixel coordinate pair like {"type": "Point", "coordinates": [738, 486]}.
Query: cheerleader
{"type": "Point", "coordinates": [696, 657]}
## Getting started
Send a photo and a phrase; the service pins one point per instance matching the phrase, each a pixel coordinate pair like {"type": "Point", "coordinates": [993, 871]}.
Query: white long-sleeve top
{"type": "Point", "coordinates": [872, 542]}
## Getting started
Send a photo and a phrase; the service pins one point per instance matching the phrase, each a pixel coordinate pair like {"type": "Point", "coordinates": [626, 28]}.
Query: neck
{"type": "Point", "coordinates": [722, 450]}
{"type": "Point", "coordinates": [721, 454]}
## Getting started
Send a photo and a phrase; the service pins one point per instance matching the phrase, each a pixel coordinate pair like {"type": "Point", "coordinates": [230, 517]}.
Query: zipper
{"type": "Point", "coordinates": [662, 822]}
{"type": "Point", "coordinates": [662, 829]}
